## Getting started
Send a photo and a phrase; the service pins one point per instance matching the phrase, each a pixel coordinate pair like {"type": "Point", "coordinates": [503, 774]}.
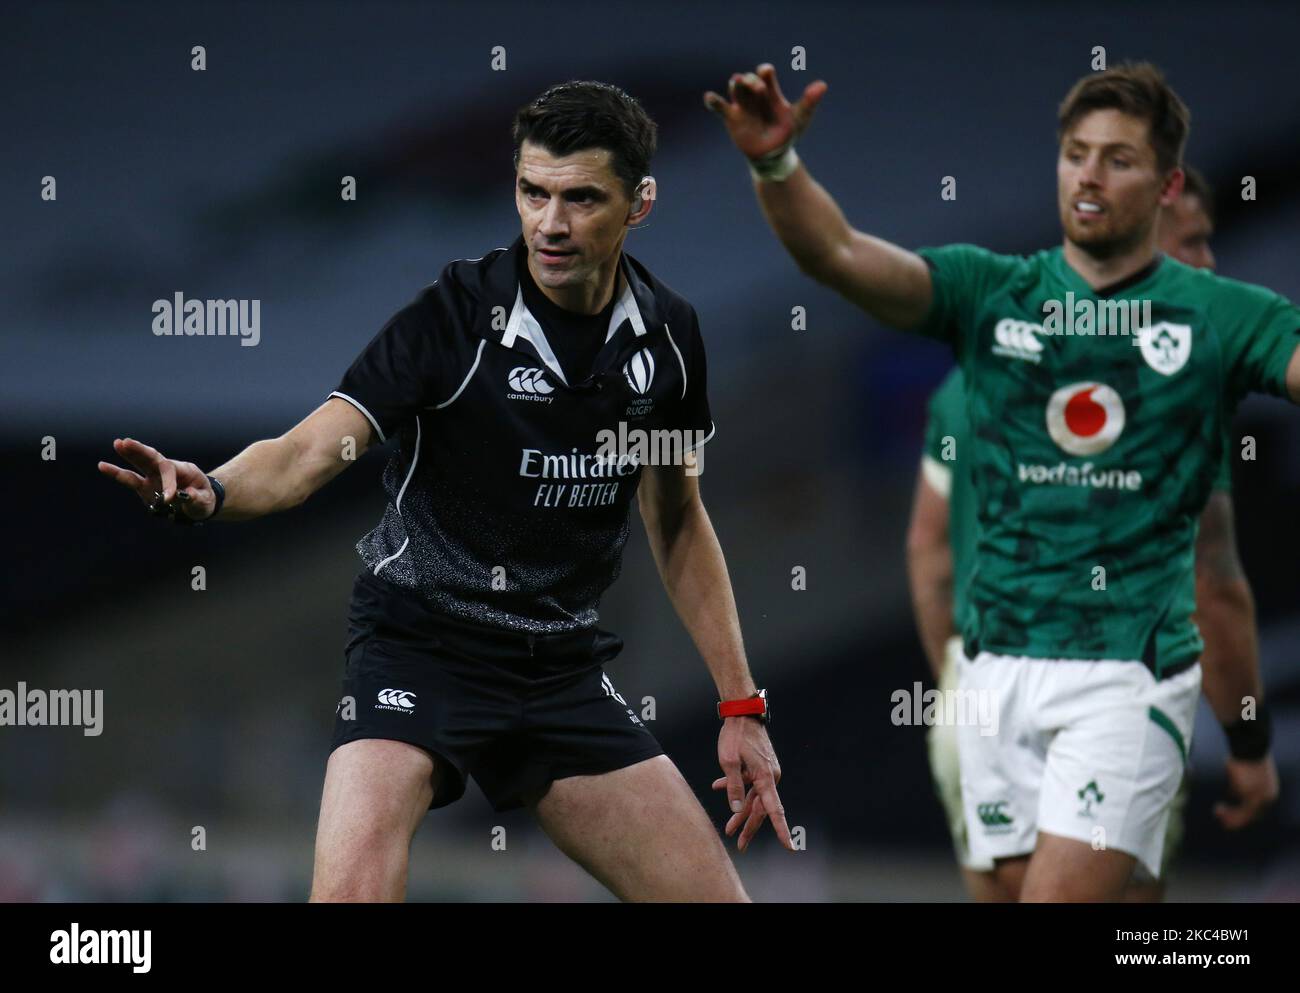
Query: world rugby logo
{"type": "Point", "coordinates": [1085, 418]}
{"type": "Point", "coordinates": [639, 371]}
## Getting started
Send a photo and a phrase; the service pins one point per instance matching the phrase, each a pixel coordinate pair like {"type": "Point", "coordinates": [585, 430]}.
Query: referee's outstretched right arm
{"type": "Point", "coordinates": [267, 476]}
{"type": "Point", "coordinates": [888, 282]}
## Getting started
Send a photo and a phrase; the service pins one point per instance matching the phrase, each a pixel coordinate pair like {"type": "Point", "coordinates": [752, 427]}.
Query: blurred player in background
{"type": "Point", "coordinates": [941, 542]}
{"type": "Point", "coordinates": [473, 647]}
{"type": "Point", "coordinates": [1094, 456]}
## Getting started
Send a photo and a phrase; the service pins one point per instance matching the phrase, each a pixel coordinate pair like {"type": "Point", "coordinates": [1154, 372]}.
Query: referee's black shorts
{"type": "Point", "coordinates": [513, 710]}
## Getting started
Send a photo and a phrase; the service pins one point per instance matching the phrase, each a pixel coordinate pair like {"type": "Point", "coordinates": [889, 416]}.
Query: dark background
{"type": "Point", "coordinates": [225, 183]}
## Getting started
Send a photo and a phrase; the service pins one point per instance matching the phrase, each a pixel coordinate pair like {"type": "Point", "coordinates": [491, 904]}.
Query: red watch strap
{"type": "Point", "coordinates": [742, 708]}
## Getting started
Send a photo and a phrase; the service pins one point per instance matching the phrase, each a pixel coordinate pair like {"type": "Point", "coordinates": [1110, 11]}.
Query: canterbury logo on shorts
{"type": "Point", "coordinates": [401, 700]}
{"type": "Point", "coordinates": [994, 816]}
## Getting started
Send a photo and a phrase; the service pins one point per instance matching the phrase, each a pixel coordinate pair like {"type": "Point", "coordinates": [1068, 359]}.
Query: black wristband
{"type": "Point", "coordinates": [1250, 740]}
{"type": "Point", "coordinates": [220, 491]}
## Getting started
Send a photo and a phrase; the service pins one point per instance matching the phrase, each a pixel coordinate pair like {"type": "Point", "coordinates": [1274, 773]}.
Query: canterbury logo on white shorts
{"type": "Point", "coordinates": [640, 371]}
{"type": "Point", "coordinates": [1085, 418]}
{"type": "Point", "coordinates": [525, 380]}
{"type": "Point", "coordinates": [403, 700]}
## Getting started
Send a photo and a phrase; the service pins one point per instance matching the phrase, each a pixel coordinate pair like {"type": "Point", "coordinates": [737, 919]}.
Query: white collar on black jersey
{"type": "Point", "coordinates": [636, 305]}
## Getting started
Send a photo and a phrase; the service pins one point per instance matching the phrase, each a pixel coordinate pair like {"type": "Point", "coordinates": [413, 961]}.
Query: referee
{"type": "Point", "coordinates": [473, 644]}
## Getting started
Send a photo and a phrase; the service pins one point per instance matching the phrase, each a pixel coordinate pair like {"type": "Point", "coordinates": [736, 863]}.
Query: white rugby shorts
{"type": "Point", "coordinates": [1090, 750]}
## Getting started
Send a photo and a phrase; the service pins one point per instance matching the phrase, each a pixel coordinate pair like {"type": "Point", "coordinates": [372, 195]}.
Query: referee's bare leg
{"type": "Point", "coordinates": [642, 833]}
{"type": "Point", "coordinates": [376, 794]}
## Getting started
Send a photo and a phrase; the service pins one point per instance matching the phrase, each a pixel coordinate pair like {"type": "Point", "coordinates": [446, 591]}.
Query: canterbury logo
{"type": "Point", "coordinates": [640, 371]}
{"type": "Point", "coordinates": [1017, 340]}
{"type": "Point", "coordinates": [991, 814]}
{"type": "Point", "coordinates": [397, 698]}
{"type": "Point", "coordinates": [525, 380]}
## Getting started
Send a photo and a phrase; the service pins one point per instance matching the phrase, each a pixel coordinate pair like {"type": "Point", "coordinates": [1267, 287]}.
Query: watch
{"type": "Point", "coordinates": [754, 706]}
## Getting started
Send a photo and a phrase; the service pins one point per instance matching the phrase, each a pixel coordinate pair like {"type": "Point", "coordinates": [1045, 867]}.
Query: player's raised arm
{"type": "Point", "coordinates": [270, 475]}
{"type": "Point", "coordinates": [889, 282]}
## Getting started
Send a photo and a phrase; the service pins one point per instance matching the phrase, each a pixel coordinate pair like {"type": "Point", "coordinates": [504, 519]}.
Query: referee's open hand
{"type": "Point", "coordinates": [746, 755]}
{"type": "Point", "coordinates": [758, 117]}
{"type": "Point", "coordinates": [162, 475]}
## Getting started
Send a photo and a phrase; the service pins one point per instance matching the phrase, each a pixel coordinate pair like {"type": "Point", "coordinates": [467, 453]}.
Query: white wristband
{"type": "Point", "coordinates": [776, 167]}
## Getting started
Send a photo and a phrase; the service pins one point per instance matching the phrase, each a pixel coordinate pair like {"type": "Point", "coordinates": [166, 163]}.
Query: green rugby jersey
{"type": "Point", "coordinates": [947, 469]}
{"type": "Point", "coordinates": [1094, 454]}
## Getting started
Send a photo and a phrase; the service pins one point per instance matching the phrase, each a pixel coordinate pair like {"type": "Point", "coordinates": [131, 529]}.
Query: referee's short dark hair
{"type": "Point", "coordinates": [573, 116]}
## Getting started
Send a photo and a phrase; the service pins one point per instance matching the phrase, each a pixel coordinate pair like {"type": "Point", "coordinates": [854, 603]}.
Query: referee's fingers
{"type": "Point", "coordinates": [740, 816]}
{"type": "Point", "coordinates": [141, 456]}
{"type": "Point", "coordinates": [757, 815]}
{"type": "Point", "coordinates": [735, 783]}
{"type": "Point", "coordinates": [167, 476]}
{"type": "Point", "coordinates": [772, 804]}
{"type": "Point", "coordinates": [190, 479]}
{"type": "Point", "coordinates": [720, 783]}
{"type": "Point", "coordinates": [127, 478]}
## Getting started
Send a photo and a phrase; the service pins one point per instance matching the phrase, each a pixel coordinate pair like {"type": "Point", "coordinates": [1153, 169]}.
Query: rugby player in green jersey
{"type": "Point", "coordinates": [941, 543]}
{"type": "Point", "coordinates": [1098, 378]}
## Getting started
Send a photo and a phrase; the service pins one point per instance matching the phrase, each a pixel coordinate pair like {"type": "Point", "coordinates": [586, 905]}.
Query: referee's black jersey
{"type": "Point", "coordinates": [501, 509]}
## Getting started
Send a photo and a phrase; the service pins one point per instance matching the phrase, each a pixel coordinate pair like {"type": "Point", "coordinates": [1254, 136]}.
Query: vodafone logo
{"type": "Point", "coordinates": [1085, 418]}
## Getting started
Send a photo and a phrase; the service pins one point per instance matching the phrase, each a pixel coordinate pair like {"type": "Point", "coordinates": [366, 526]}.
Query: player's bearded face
{"type": "Point", "coordinates": [1109, 188]}
{"type": "Point", "coordinates": [574, 211]}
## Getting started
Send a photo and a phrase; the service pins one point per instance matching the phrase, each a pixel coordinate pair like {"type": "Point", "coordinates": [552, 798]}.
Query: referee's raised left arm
{"type": "Point", "coordinates": [269, 475]}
